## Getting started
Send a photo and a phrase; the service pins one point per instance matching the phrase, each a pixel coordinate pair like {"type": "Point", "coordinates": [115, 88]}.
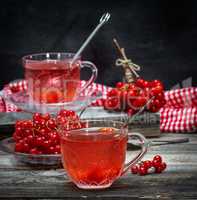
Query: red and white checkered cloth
{"type": "Point", "coordinates": [178, 115]}
{"type": "Point", "coordinates": [180, 112]}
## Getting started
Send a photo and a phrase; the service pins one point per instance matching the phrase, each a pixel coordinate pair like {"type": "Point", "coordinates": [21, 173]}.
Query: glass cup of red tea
{"type": "Point", "coordinates": [55, 77]}
{"type": "Point", "coordinates": [94, 157]}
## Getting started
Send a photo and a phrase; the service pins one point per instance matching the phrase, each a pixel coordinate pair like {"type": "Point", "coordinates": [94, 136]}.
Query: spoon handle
{"type": "Point", "coordinates": [170, 141]}
{"type": "Point", "coordinates": [163, 142]}
{"type": "Point", "coordinates": [86, 42]}
{"type": "Point", "coordinates": [103, 20]}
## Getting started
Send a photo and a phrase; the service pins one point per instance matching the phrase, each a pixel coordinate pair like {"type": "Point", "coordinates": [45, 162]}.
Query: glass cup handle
{"type": "Point", "coordinates": [93, 76]}
{"type": "Point", "coordinates": [144, 143]}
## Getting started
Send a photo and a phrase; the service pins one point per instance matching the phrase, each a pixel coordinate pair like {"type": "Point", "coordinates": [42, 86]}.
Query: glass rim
{"type": "Point", "coordinates": [28, 56]}
{"type": "Point", "coordinates": [104, 120]}
{"type": "Point", "coordinates": [122, 125]}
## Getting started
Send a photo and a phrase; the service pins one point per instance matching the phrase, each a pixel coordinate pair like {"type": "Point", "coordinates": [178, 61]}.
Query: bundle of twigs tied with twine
{"type": "Point", "coordinates": [130, 68]}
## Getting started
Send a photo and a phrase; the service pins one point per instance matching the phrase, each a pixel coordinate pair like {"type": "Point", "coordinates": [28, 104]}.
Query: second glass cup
{"type": "Point", "coordinates": [54, 78]}
{"type": "Point", "coordinates": [94, 157]}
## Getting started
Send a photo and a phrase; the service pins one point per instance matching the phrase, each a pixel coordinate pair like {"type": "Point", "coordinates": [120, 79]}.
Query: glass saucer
{"type": "Point", "coordinates": [22, 100]}
{"type": "Point", "coordinates": [7, 145]}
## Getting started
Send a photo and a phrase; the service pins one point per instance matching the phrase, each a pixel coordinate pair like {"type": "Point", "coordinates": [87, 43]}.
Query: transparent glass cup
{"type": "Point", "coordinates": [54, 78]}
{"type": "Point", "coordinates": [94, 157]}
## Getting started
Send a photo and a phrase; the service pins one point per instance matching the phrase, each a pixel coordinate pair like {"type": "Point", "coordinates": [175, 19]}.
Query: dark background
{"type": "Point", "coordinates": [161, 36]}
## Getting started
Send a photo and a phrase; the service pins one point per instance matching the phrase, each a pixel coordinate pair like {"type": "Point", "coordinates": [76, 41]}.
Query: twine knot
{"type": "Point", "coordinates": [127, 63]}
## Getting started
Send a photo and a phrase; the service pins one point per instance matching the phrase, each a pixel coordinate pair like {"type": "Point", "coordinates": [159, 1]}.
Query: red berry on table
{"type": "Point", "coordinates": [18, 130]}
{"type": "Point", "coordinates": [34, 151]}
{"type": "Point", "coordinates": [140, 82]}
{"type": "Point", "coordinates": [39, 123]}
{"type": "Point", "coordinates": [30, 140]}
{"type": "Point", "coordinates": [19, 147]}
{"type": "Point", "coordinates": [43, 131]}
{"type": "Point", "coordinates": [22, 147]}
{"type": "Point", "coordinates": [46, 116]}
{"type": "Point", "coordinates": [119, 85]}
{"type": "Point", "coordinates": [62, 113]}
{"type": "Point", "coordinates": [157, 158]}
{"type": "Point", "coordinates": [163, 166]}
{"type": "Point", "coordinates": [99, 102]}
{"type": "Point", "coordinates": [27, 124]}
{"type": "Point", "coordinates": [158, 169]}
{"type": "Point", "coordinates": [54, 136]}
{"type": "Point", "coordinates": [153, 108]}
{"type": "Point", "coordinates": [25, 139]}
{"type": "Point", "coordinates": [147, 164]}
{"type": "Point", "coordinates": [113, 93]}
{"type": "Point", "coordinates": [70, 113]}
{"type": "Point", "coordinates": [139, 102]}
{"type": "Point", "coordinates": [130, 112]}
{"type": "Point", "coordinates": [46, 144]}
{"type": "Point", "coordinates": [18, 123]}
{"type": "Point", "coordinates": [132, 86]}
{"type": "Point", "coordinates": [37, 116]}
{"type": "Point", "coordinates": [61, 119]}
{"type": "Point", "coordinates": [39, 141]}
{"type": "Point", "coordinates": [156, 90]}
{"type": "Point", "coordinates": [28, 132]}
{"type": "Point", "coordinates": [132, 93]}
{"type": "Point", "coordinates": [156, 163]}
{"type": "Point", "coordinates": [112, 104]}
{"type": "Point", "coordinates": [157, 103]}
{"type": "Point", "coordinates": [42, 123]}
{"type": "Point", "coordinates": [155, 83]}
{"type": "Point", "coordinates": [52, 150]}
{"type": "Point", "coordinates": [51, 124]}
{"type": "Point", "coordinates": [160, 96]}
{"type": "Point", "coordinates": [57, 149]}
{"type": "Point", "coordinates": [145, 84]}
{"type": "Point", "coordinates": [163, 102]}
{"type": "Point", "coordinates": [146, 92]}
{"type": "Point", "coordinates": [26, 148]}
{"type": "Point", "coordinates": [134, 169]}
{"type": "Point", "coordinates": [142, 171]}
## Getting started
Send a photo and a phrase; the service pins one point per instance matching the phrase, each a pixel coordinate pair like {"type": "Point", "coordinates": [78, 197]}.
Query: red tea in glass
{"type": "Point", "coordinates": [94, 158]}
{"type": "Point", "coordinates": [53, 77]}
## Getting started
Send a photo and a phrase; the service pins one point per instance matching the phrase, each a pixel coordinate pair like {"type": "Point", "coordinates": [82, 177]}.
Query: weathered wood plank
{"type": "Point", "coordinates": [38, 185]}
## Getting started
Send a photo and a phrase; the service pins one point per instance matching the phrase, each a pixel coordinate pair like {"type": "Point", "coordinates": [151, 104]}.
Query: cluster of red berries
{"type": "Point", "coordinates": [143, 168]}
{"type": "Point", "coordinates": [130, 97]}
{"type": "Point", "coordinates": [69, 120]}
{"type": "Point", "coordinates": [40, 135]}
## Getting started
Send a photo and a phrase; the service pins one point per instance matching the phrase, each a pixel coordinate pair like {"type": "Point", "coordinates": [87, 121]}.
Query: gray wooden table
{"type": "Point", "coordinates": [179, 181]}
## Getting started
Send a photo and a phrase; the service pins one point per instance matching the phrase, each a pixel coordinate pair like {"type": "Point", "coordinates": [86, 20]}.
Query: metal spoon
{"type": "Point", "coordinates": [159, 142]}
{"type": "Point", "coordinates": [105, 17]}
{"type": "Point", "coordinates": [169, 141]}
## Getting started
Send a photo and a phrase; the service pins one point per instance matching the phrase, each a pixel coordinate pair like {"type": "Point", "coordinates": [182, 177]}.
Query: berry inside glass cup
{"type": "Point", "coordinates": [94, 156]}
